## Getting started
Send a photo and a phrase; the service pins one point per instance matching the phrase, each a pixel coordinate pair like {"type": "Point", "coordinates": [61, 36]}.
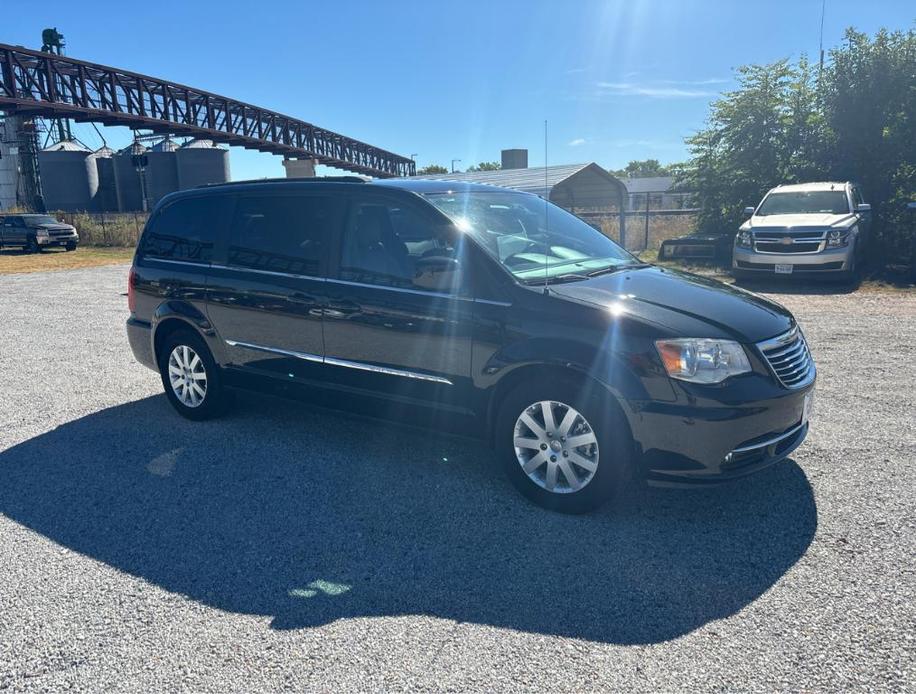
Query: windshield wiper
{"type": "Point", "coordinates": [616, 268]}
{"type": "Point", "coordinates": [556, 279]}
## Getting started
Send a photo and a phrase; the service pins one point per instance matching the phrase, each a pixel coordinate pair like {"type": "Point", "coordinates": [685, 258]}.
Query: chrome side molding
{"type": "Point", "coordinates": [305, 356]}
{"type": "Point", "coordinates": [345, 363]}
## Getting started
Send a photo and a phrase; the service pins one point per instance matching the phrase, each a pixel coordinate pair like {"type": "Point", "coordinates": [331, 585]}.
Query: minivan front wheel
{"type": "Point", "coordinates": [563, 447]}
{"type": "Point", "coordinates": [190, 377]}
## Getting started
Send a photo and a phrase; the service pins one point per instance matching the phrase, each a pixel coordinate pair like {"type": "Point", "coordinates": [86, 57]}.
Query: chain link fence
{"type": "Point", "coordinates": [645, 230]}
{"type": "Point", "coordinates": [120, 229]}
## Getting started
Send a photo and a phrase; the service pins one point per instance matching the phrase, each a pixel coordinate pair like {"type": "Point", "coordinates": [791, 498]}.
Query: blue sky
{"type": "Point", "coordinates": [459, 80]}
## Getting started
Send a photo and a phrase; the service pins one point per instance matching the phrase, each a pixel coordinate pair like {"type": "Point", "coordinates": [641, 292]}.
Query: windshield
{"type": "Point", "coordinates": [40, 220]}
{"type": "Point", "coordinates": [813, 202]}
{"type": "Point", "coordinates": [532, 239]}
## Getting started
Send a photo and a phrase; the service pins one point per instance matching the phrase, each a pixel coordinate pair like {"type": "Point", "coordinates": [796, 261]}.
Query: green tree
{"type": "Point", "coordinates": [644, 168]}
{"type": "Point", "coordinates": [432, 169]}
{"type": "Point", "coordinates": [486, 166]}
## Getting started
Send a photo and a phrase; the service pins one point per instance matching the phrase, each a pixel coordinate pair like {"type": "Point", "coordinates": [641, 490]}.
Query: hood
{"type": "Point", "coordinates": [799, 221]}
{"type": "Point", "coordinates": [54, 227]}
{"type": "Point", "coordinates": [686, 305]}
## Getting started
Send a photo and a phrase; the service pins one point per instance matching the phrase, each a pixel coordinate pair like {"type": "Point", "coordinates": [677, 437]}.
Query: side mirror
{"type": "Point", "coordinates": [749, 210]}
{"type": "Point", "coordinates": [437, 274]}
{"type": "Point", "coordinates": [863, 207]}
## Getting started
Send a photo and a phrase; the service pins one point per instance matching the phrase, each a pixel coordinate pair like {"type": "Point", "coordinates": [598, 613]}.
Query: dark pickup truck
{"type": "Point", "coordinates": [34, 232]}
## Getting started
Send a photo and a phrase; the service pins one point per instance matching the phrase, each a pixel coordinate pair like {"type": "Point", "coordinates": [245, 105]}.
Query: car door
{"type": "Point", "coordinates": [14, 231]}
{"type": "Point", "coordinates": [265, 296]}
{"type": "Point", "coordinates": [400, 314]}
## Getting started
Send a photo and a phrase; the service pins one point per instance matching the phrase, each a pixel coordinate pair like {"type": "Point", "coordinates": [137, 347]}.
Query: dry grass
{"type": "Point", "coordinates": [661, 227]}
{"type": "Point", "coordinates": [120, 230]}
{"type": "Point", "coordinates": [16, 261]}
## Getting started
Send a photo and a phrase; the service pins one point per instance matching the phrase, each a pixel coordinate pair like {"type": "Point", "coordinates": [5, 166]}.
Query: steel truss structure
{"type": "Point", "coordinates": [33, 83]}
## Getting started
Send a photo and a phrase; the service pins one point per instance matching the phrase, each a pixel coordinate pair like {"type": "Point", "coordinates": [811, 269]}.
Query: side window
{"type": "Point", "coordinates": [396, 245]}
{"type": "Point", "coordinates": [283, 233]}
{"type": "Point", "coordinates": [857, 196]}
{"type": "Point", "coordinates": [186, 229]}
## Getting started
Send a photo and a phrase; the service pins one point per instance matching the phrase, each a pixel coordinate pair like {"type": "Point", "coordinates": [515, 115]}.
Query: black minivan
{"type": "Point", "coordinates": [581, 365]}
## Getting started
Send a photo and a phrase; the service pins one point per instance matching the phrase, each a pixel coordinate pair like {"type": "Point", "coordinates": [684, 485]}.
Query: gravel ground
{"type": "Point", "coordinates": [288, 547]}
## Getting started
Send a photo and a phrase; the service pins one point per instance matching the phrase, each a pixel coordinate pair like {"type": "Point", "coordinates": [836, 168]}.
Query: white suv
{"type": "Point", "coordinates": [807, 228]}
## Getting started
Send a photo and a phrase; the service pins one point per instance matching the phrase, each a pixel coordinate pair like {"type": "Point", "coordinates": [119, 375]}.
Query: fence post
{"type": "Point", "coordinates": [645, 245]}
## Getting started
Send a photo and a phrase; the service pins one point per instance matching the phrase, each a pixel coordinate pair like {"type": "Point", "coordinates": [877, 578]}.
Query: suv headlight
{"type": "Point", "coordinates": [743, 239]}
{"type": "Point", "coordinates": [837, 237]}
{"type": "Point", "coordinates": [701, 360]}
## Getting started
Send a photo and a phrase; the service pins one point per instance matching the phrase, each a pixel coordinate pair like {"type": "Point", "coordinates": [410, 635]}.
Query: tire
{"type": "Point", "coordinates": [613, 453]}
{"type": "Point", "coordinates": [852, 275]}
{"type": "Point", "coordinates": [71, 247]}
{"type": "Point", "coordinates": [31, 246]}
{"type": "Point", "coordinates": [742, 275]}
{"type": "Point", "coordinates": [176, 359]}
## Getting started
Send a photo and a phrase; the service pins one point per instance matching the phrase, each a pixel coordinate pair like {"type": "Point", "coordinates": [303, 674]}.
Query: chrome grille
{"type": "Point", "coordinates": [789, 241]}
{"type": "Point", "coordinates": [789, 358]}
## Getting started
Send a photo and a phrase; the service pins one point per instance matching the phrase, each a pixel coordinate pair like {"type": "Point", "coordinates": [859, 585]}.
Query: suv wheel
{"type": "Point", "coordinates": [190, 377]}
{"type": "Point", "coordinates": [564, 449]}
{"type": "Point", "coordinates": [71, 247]}
{"type": "Point", "coordinates": [31, 246]}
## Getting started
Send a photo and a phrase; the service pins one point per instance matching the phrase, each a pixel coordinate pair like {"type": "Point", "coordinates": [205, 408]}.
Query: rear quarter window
{"type": "Point", "coordinates": [186, 229]}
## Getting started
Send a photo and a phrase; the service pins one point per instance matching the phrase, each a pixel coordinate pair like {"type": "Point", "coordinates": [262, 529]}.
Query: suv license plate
{"type": "Point", "coordinates": [783, 269]}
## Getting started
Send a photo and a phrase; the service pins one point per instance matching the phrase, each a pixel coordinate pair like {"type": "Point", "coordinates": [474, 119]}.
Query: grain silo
{"type": "Point", "coordinates": [64, 177]}
{"type": "Point", "coordinates": [100, 171]}
{"type": "Point", "coordinates": [200, 162]}
{"type": "Point", "coordinates": [127, 180]}
{"type": "Point", "coordinates": [161, 170]}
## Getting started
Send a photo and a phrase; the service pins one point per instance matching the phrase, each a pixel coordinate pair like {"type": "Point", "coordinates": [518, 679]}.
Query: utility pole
{"type": "Point", "coordinates": [453, 164]}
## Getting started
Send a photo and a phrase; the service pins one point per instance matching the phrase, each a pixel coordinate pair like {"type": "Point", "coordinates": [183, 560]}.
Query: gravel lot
{"type": "Point", "coordinates": [288, 547]}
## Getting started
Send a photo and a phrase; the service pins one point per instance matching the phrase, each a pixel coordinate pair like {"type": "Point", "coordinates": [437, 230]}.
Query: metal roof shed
{"type": "Point", "coordinates": [575, 187]}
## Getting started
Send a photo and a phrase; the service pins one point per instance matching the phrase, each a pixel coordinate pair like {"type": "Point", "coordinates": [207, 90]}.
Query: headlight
{"type": "Point", "coordinates": [702, 360]}
{"type": "Point", "coordinates": [743, 239]}
{"type": "Point", "coordinates": [42, 232]}
{"type": "Point", "coordinates": [837, 238]}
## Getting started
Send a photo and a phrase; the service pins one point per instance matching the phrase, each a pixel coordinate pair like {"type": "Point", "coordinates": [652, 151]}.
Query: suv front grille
{"type": "Point", "coordinates": [796, 247]}
{"type": "Point", "coordinates": [789, 241]}
{"type": "Point", "coordinates": [789, 358]}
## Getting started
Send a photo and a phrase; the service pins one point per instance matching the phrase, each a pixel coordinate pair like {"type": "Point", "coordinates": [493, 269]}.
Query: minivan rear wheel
{"type": "Point", "coordinates": [563, 446]}
{"type": "Point", "coordinates": [191, 379]}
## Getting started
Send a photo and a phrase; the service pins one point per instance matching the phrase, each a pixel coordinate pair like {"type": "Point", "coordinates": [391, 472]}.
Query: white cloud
{"type": "Point", "coordinates": [578, 141]}
{"type": "Point", "coordinates": [711, 80]}
{"type": "Point", "coordinates": [654, 90]}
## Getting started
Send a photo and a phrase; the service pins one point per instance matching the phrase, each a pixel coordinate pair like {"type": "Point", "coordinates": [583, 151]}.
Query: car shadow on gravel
{"type": "Point", "coordinates": [803, 287]}
{"type": "Point", "coordinates": [309, 516]}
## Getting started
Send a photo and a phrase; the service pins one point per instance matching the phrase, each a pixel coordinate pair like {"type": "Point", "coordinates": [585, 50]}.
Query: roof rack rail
{"type": "Point", "coordinates": [323, 179]}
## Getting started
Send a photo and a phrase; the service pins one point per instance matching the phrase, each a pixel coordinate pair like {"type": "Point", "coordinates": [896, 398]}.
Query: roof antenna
{"type": "Point", "coordinates": [546, 215]}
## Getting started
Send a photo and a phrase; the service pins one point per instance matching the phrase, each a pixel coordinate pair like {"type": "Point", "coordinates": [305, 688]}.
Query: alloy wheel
{"type": "Point", "coordinates": [187, 376]}
{"type": "Point", "coordinates": [556, 446]}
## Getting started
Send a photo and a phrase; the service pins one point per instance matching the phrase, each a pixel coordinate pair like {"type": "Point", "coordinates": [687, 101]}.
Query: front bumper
{"type": "Point", "coordinates": [56, 241]}
{"type": "Point", "coordinates": [739, 431]}
{"type": "Point", "coordinates": [828, 260]}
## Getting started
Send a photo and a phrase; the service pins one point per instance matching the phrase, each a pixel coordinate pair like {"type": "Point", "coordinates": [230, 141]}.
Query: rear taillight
{"type": "Point", "coordinates": [130, 290]}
